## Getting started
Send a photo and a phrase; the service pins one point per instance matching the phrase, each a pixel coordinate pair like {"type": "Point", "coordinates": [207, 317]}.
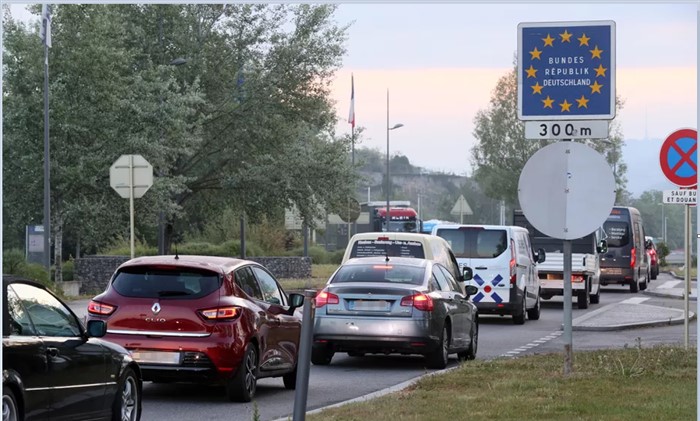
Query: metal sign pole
{"type": "Point", "coordinates": [131, 201]}
{"type": "Point", "coordinates": [568, 342]}
{"type": "Point", "coordinates": [304, 362]}
{"type": "Point", "coordinates": [688, 261]}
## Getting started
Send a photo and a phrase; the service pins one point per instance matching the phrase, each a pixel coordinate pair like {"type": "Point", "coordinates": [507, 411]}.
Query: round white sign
{"type": "Point", "coordinates": [566, 190]}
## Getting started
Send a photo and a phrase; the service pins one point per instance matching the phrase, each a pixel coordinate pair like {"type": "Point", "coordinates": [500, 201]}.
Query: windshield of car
{"type": "Point", "coordinates": [165, 282]}
{"type": "Point", "coordinates": [380, 273]}
{"type": "Point", "coordinates": [386, 247]}
{"type": "Point", "coordinates": [468, 242]}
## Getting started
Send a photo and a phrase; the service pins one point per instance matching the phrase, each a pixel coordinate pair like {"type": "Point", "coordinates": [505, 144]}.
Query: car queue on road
{"type": "Point", "coordinates": [229, 322]}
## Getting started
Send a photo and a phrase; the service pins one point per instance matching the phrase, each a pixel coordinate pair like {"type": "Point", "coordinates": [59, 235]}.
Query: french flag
{"type": "Point", "coordinates": [351, 117]}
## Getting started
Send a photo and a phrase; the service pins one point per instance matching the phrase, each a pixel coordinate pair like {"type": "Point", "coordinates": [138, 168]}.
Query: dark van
{"type": "Point", "coordinates": [626, 261]}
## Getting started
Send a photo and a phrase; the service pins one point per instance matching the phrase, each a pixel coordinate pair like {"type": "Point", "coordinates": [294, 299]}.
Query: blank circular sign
{"type": "Point", "coordinates": [566, 190]}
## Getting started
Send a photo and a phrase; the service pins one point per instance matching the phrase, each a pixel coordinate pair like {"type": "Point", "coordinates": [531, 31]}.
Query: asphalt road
{"type": "Point", "coordinates": [347, 377]}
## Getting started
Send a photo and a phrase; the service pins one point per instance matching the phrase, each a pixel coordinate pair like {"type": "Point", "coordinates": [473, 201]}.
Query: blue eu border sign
{"type": "Point", "coordinates": [566, 71]}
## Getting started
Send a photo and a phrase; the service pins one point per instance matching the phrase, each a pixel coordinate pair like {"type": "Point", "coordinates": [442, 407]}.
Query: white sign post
{"type": "Point", "coordinates": [131, 176]}
{"type": "Point", "coordinates": [461, 208]}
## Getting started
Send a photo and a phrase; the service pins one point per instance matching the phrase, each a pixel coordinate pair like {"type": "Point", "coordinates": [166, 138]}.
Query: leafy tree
{"type": "Point", "coordinates": [502, 151]}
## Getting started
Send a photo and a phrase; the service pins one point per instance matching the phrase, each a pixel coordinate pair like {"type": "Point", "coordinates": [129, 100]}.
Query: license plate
{"type": "Point", "coordinates": [369, 305]}
{"type": "Point", "coordinates": [614, 271]}
{"type": "Point", "coordinates": [156, 357]}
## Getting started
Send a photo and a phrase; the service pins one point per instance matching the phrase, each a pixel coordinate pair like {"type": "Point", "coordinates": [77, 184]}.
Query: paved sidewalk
{"type": "Point", "coordinates": [630, 314]}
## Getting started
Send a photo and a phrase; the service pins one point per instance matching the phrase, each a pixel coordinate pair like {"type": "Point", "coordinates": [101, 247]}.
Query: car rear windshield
{"type": "Point", "coordinates": [475, 243]}
{"type": "Point", "coordinates": [385, 247]}
{"type": "Point", "coordinates": [402, 274]}
{"type": "Point", "coordinates": [165, 282]}
{"type": "Point", "coordinates": [618, 233]}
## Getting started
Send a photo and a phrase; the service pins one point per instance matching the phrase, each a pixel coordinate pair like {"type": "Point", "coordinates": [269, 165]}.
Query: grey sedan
{"type": "Point", "coordinates": [395, 305]}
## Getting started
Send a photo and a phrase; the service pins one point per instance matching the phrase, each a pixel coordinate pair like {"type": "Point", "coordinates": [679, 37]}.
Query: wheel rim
{"type": "Point", "coordinates": [129, 399]}
{"type": "Point", "coordinates": [250, 365]}
{"type": "Point", "coordinates": [445, 343]}
{"type": "Point", "coordinates": [9, 412]}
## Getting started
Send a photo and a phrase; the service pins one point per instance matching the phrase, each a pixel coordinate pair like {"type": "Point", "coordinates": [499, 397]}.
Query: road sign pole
{"type": "Point", "coordinates": [568, 342]}
{"type": "Point", "coordinates": [688, 262]}
{"type": "Point", "coordinates": [131, 202]}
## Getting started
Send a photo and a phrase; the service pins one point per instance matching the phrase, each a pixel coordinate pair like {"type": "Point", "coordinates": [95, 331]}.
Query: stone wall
{"type": "Point", "coordinates": [94, 272]}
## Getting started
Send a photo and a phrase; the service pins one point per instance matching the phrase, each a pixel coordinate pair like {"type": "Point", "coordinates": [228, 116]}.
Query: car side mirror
{"type": "Point", "coordinates": [602, 246]}
{"type": "Point", "coordinates": [467, 273]}
{"type": "Point", "coordinates": [295, 301]}
{"type": "Point", "coordinates": [540, 255]}
{"type": "Point", "coordinates": [471, 290]}
{"type": "Point", "coordinates": [96, 328]}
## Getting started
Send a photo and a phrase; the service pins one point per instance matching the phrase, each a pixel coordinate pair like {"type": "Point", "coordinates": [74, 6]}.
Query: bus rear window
{"type": "Point", "coordinates": [385, 247]}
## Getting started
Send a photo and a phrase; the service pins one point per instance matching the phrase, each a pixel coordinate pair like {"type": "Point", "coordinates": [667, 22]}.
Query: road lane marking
{"type": "Point", "coordinates": [634, 300]}
{"type": "Point", "coordinates": [533, 344]}
{"type": "Point", "coordinates": [669, 284]}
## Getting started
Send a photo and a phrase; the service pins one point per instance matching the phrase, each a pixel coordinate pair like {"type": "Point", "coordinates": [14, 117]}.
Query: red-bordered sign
{"type": "Point", "coordinates": [679, 157]}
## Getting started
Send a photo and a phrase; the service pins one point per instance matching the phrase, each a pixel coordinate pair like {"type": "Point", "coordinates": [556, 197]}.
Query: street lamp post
{"type": "Point", "coordinates": [388, 182]}
{"type": "Point", "coordinates": [663, 222]}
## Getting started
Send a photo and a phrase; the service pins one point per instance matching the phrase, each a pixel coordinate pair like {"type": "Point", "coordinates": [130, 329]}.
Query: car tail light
{"type": "Point", "coordinates": [633, 257]}
{"type": "Point", "coordinates": [100, 309]}
{"type": "Point", "coordinates": [324, 297]}
{"type": "Point", "coordinates": [220, 313]}
{"type": "Point", "coordinates": [419, 301]}
{"type": "Point", "coordinates": [577, 278]}
{"type": "Point", "coordinates": [513, 276]}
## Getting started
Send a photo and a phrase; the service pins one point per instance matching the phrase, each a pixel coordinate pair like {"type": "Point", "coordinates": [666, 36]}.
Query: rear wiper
{"type": "Point", "coordinates": [171, 293]}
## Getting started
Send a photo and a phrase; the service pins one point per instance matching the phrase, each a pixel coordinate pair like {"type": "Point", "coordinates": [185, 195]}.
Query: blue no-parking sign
{"type": "Point", "coordinates": [566, 71]}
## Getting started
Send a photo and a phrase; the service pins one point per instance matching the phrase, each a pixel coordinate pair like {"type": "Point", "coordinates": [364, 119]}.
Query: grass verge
{"type": "Point", "coordinates": [629, 384]}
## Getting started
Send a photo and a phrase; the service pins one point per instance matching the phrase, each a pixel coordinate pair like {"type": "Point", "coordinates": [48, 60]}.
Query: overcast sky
{"type": "Point", "coordinates": [440, 63]}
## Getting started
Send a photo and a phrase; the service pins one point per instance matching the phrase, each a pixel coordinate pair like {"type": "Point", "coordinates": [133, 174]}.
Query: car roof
{"type": "Point", "coordinates": [374, 260]}
{"type": "Point", "coordinates": [214, 263]}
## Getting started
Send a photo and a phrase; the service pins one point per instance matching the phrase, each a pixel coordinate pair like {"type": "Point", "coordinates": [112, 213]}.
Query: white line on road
{"type": "Point", "coordinates": [634, 300]}
{"type": "Point", "coordinates": [669, 284]}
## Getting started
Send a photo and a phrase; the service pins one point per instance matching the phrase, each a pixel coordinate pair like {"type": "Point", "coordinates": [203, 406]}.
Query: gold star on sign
{"type": "Point", "coordinates": [531, 72]}
{"type": "Point", "coordinates": [566, 36]}
{"type": "Point", "coordinates": [583, 40]}
{"type": "Point", "coordinates": [582, 102]}
{"type": "Point", "coordinates": [548, 41]}
{"type": "Point", "coordinates": [536, 88]}
{"type": "Point", "coordinates": [596, 87]}
{"type": "Point", "coordinates": [565, 106]}
{"type": "Point", "coordinates": [548, 102]}
{"type": "Point", "coordinates": [600, 70]}
{"type": "Point", "coordinates": [535, 54]}
{"type": "Point", "coordinates": [596, 52]}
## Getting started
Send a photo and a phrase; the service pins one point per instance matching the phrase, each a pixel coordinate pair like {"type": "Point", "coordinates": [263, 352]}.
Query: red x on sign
{"type": "Point", "coordinates": [679, 157]}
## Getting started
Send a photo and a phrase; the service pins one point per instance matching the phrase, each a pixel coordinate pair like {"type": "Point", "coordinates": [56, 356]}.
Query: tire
{"type": "Point", "coordinates": [438, 358]}
{"type": "Point", "coordinates": [519, 313]}
{"type": "Point", "coordinates": [10, 412]}
{"type": "Point", "coordinates": [595, 298]}
{"type": "Point", "coordinates": [290, 379]}
{"type": "Point", "coordinates": [321, 356]}
{"type": "Point", "coordinates": [534, 313]}
{"type": "Point", "coordinates": [470, 353]}
{"type": "Point", "coordinates": [127, 402]}
{"type": "Point", "coordinates": [241, 387]}
{"type": "Point", "coordinates": [643, 285]}
{"type": "Point", "coordinates": [583, 298]}
{"type": "Point", "coordinates": [634, 286]}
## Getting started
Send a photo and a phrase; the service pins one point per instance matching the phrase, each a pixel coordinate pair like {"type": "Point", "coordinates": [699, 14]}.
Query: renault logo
{"type": "Point", "coordinates": [155, 308]}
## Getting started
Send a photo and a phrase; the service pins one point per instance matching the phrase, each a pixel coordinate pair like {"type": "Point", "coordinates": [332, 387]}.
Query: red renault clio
{"type": "Point", "coordinates": [203, 319]}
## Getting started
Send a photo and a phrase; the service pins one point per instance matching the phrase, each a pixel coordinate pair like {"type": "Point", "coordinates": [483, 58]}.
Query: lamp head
{"type": "Point", "coordinates": [396, 126]}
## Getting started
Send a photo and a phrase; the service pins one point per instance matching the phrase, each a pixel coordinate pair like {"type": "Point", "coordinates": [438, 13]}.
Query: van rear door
{"type": "Point", "coordinates": [485, 250]}
{"type": "Point", "coordinates": [619, 238]}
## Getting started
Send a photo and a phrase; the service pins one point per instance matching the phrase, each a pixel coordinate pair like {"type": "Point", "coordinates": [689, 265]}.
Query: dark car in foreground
{"type": "Point", "coordinates": [395, 305]}
{"type": "Point", "coordinates": [54, 368]}
{"type": "Point", "coordinates": [203, 319]}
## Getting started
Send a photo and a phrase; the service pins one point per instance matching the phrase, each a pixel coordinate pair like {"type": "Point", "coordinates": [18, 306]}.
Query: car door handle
{"type": "Point", "coordinates": [52, 352]}
{"type": "Point", "coordinates": [481, 267]}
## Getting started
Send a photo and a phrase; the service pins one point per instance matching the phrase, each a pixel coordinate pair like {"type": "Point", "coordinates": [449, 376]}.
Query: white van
{"type": "Point", "coordinates": [403, 244]}
{"type": "Point", "coordinates": [499, 261]}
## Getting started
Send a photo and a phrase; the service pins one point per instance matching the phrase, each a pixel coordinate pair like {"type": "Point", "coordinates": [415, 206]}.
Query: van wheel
{"type": "Point", "coordinates": [643, 285]}
{"type": "Point", "coordinates": [634, 286]}
{"type": "Point", "coordinates": [534, 313]}
{"type": "Point", "coordinates": [584, 298]}
{"type": "Point", "coordinates": [519, 313]}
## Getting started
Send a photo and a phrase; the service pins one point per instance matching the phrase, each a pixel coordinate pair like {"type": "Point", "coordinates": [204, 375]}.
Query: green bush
{"type": "Point", "coordinates": [662, 251]}
{"type": "Point", "coordinates": [13, 260]}
{"type": "Point", "coordinates": [35, 272]}
{"type": "Point", "coordinates": [68, 269]}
